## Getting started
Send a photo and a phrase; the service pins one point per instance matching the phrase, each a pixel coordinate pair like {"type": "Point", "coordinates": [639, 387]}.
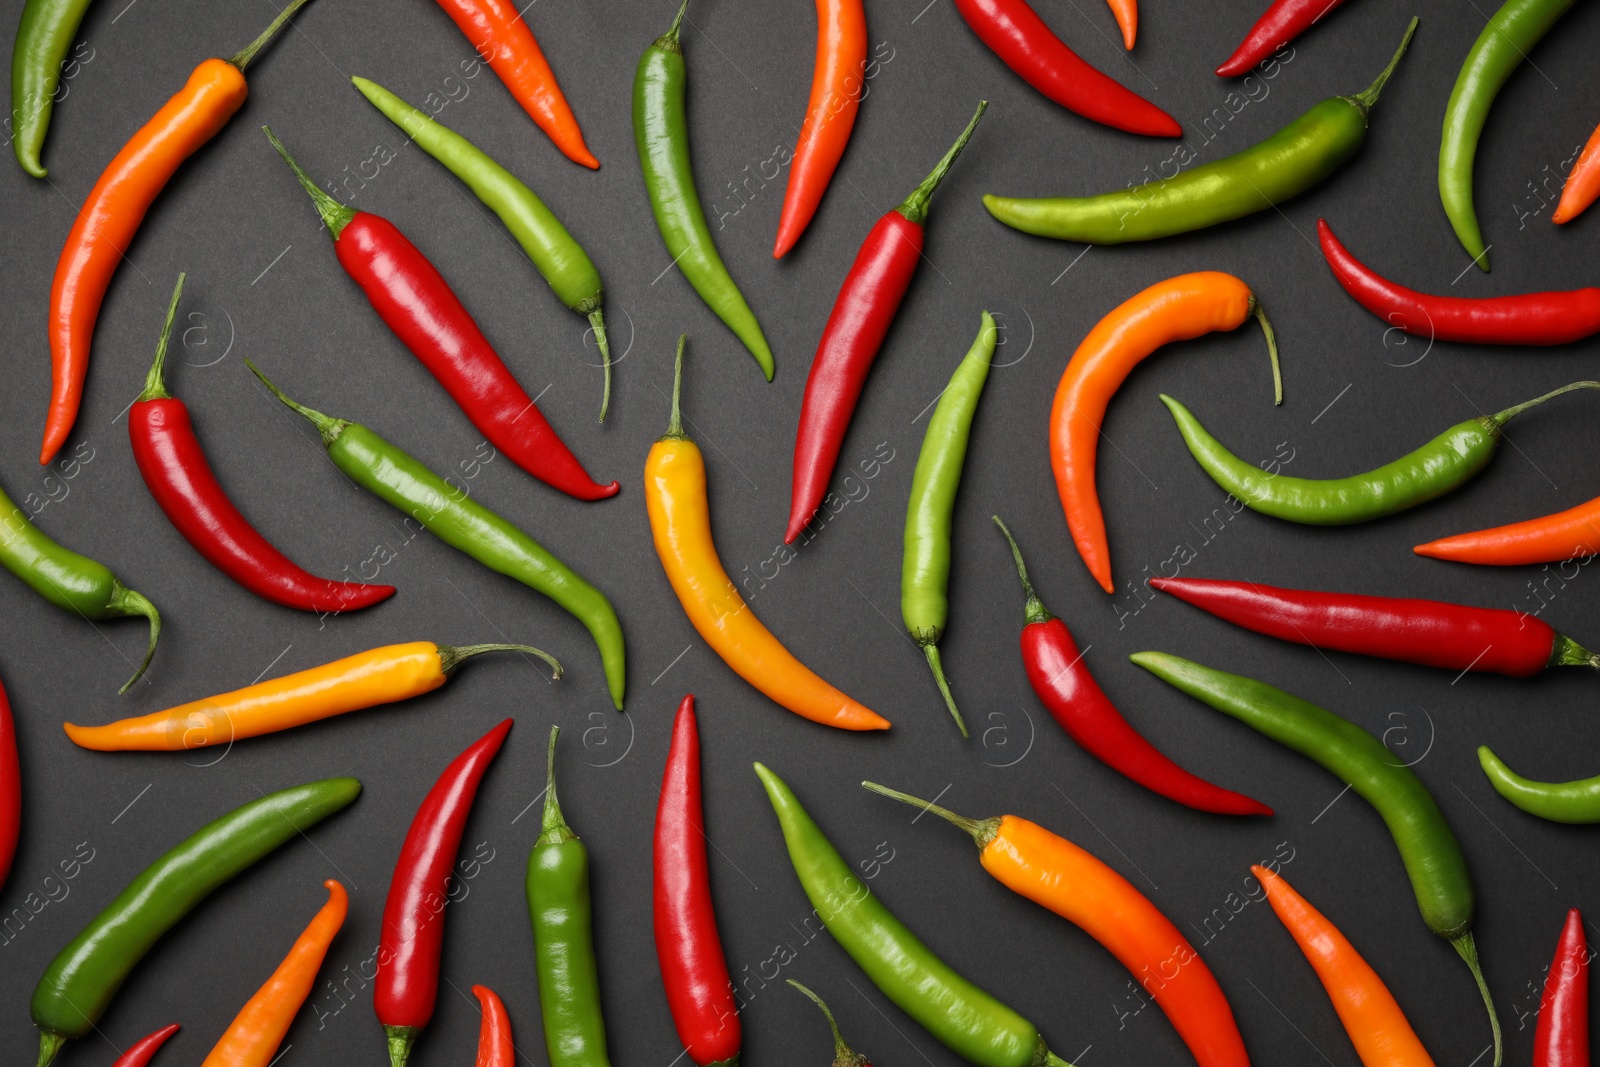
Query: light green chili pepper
{"type": "Point", "coordinates": [1577, 803]}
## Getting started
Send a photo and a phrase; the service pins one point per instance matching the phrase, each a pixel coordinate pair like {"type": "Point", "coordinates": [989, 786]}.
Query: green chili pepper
{"type": "Point", "coordinates": [1428, 847]}
{"type": "Point", "coordinates": [561, 260]}
{"type": "Point", "coordinates": [661, 131]}
{"type": "Point", "coordinates": [44, 36]}
{"type": "Point", "coordinates": [82, 979]}
{"type": "Point", "coordinates": [1438, 467]}
{"type": "Point", "coordinates": [1504, 43]}
{"type": "Point", "coordinates": [401, 480]}
{"type": "Point", "coordinates": [1576, 802]}
{"type": "Point", "coordinates": [1297, 157]}
{"type": "Point", "coordinates": [70, 581]}
{"type": "Point", "coordinates": [925, 568]}
{"type": "Point", "coordinates": [967, 1020]}
{"type": "Point", "coordinates": [563, 941]}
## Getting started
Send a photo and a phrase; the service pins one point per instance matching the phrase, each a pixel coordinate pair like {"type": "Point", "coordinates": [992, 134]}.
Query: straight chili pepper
{"type": "Point", "coordinates": [1301, 155]}
{"type": "Point", "coordinates": [44, 37]}
{"type": "Point", "coordinates": [407, 984]}
{"type": "Point", "coordinates": [1554, 538]}
{"type": "Point", "coordinates": [1438, 467]}
{"type": "Point", "coordinates": [1428, 847]}
{"type": "Point", "coordinates": [559, 259]}
{"type": "Point", "coordinates": [401, 480]}
{"type": "Point", "coordinates": [1067, 689]}
{"type": "Point", "coordinates": [413, 300]}
{"type": "Point", "coordinates": [1070, 881]}
{"type": "Point", "coordinates": [862, 313]}
{"type": "Point", "coordinates": [843, 1054]}
{"type": "Point", "coordinates": [1378, 1029]}
{"type": "Point", "coordinates": [1577, 802]}
{"type": "Point", "coordinates": [79, 983]}
{"type": "Point", "coordinates": [1178, 309]}
{"type": "Point", "coordinates": [1280, 23]}
{"type": "Point", "coordinates": [925, 564]}
{"type": "Point", "coordinates": [10, 788]}
{"type": "Point", "coordinates": [1561, 1036]}
{"type": "Point", "coordinates": [495, 1048]}
{"type": "Point", "coordinates": [965, 1019]}
{"type": "Point", "coordinates": [694, 969]}
{"type": "Point", "coordinates": [109, 219]}
{"type": "Point", "coordinates": [365, 680]}
{"type": "Point", "coordinates": [252, 1039]}
{"type": "Point", "coordinates": [142, 1051]}
{"type": "Point", "coordinates": [661, 135]}
{"type": "Point", "coordinates": [563, 938]}
{"type": "Point", "coordinates": [1583, 183]}
{"type": "Point", "coordinates": [680, 526]}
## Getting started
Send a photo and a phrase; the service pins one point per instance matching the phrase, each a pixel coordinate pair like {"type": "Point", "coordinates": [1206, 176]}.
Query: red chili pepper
{"type": "Point", "coordinates": [1555, 318]}
{"type": "Point", "coordinates": [407, 982]}
{"type": "Point", "coordinates": [1561, 1036]}
{"type": "Point", "coordinates": [415, 301]}
{"type": "Point", "coordinates": [141, 1051]}
{"type": "Point", "coordinates": [693, 967]}
{"type": "Point", "coordinates": [495, 1048]}
{"type": "Point", "coordinates": [1016, 33]}
{"type": "Point", "coordinates": [1281, 23]}
{"type": "Point", "coordinates": [862, 314]}
{"type": "Point", "coordinates": [1069, 692]}
{"type": "Point", "coordinates": [10, 789]}
{"type": "Point", "coordinates": [1427, 632]}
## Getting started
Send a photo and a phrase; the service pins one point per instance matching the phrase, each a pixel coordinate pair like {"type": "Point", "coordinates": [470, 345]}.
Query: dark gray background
{"type": "Point", "coordinates": [264, 284]}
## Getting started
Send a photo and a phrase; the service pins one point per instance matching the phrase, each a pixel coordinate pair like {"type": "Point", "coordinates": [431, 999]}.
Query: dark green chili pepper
{"type": "Point", "coordinates": [1297, 157]}
{"type": "Point", "coordinates": [563, 940]}
{"type": "Point", "coordinates": [925, 567]}
{"type": "Point", "coordinates": [80, 982]}
{"type": "Point", "coordinates": [1438, 467]}
{"type": "Point", "coordinates": [558, 258]}
{"type": "Point", "coordinates": [661, 131]}
{"type": "Point", "coordinates": [70, 581]}
{"type": "Point", "coordinates": [1428, 847]}
{"type": "Point", "coordinates": [967, 1020]}
{"type": "Point", "coordinates": [44, 37]}
{"type": "Point", "coordinates": [1576, 802]}
{"type": "Point", "coordinates": [401, 480]}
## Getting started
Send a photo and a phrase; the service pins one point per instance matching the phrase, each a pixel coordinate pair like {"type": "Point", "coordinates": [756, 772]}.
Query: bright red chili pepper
{"type": "Point", "coordinates": [10, 789]}
{"type": "Point", "coordinates": [495, 1048]}
{"type": "Point", "coordinates": [407, 983]}
{"type": "Point", "coordinates": [1069, 692]}
{"type": "Point", "coordinates": [1016, 33]}
{"type": "Point", "coordinates": [1554, 318]}
{"type": "Point", "coordinates": [140, 1052]}
{"type": "Point", "coordinates": [693, 967]}
{"type": "Point", "coordinates": [1282, 22]}
{"type": "Point", "coordinates": [415, 301]}
{"type": "Point", "coordinates": [1561, 1036]}
{"type": "Point", "coordinates": [862, 314]}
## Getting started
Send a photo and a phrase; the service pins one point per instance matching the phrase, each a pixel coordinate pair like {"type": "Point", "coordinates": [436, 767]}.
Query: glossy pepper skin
{"type": "Point", "coordinates": [843, 1054]}
{"type": "Point", "coordinates": [1576, 803]}
{"type": "Point", "coordinates": [79, 983]}
{"type": "Point", "coordinates": [694, 969]}
{"type": "Point", "coordinates": [1582, 186]}
{"type": "Point", "coordinates": [44, 37]}
{"type": "Point", "coordinates": [407, 984]}
{"type": "Point", "coordinates": [1280, 23]}
{"type": "Point", "coordinates": [142, 1051]}
{"type": "Point", "coordinates": [495, 1048]}
{"type": "Point", "coordinates": [1067, 689]}
{"type": "Point", "coordinates": [10, 788]}
{"type": "Point", "coordinates": [1547, 539]}
{"type": "Point", "coordinates": [862, 313]}
{"type": "Point", "coordinates": [1561, 1036]}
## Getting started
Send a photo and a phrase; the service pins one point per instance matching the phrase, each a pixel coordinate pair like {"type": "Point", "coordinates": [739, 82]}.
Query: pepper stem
{"type": "Point", "coordinates": [843, 1054]}
{"type": "Point", "coordinates": [1467, 948]}
{"type": "Point", "coordinates": [1272, 348]}
{"type": "Point", "coordinates": [335, 216]}
{"type": "Point", "coordinates": [597, 321]}
{"type": "Point", "coordinates": [675, 423]}
{"type": "Point", "coordinates": [1034, 611]}
{"type": "Point", "coordinates": [915, 206]}
{"type": "Point", "coordinates": [400, 1039]}
{"type": "Point", "coordinates": [554, 828]}
{"type": "Point", "coordinates": [931, 650]}
{"type": "Point", "coordinates": [453, 656]}
{"type": "Point", "coordinates": [1052, 1060]}
{"type": "Point", "coordinates": [1568, 653]}
{"type": "Point", "coordinates": [242, 58]}
{"type": "Point", "coordinates": [50, 1043]}
{"type": "Point", "coordinates": [982, 831]}
{"type": "Point", "coordinates": [1510, 413]}
{"type": "Point", "coordinates": [330, 428]}
{"type": "Point", "coordinates": [669, 40]}
{"type": "Point", "coordinates": [1369, 96]}
{"type": "Point", "coordinates": [125, 601]}
{"type": "Point", "coordinates": [154, 387]}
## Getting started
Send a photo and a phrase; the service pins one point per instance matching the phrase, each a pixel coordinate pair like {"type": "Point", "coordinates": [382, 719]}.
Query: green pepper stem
{"type": "Point", "coordinates": [1510, 413]}
{"type": "Point", "coordinates": [50, 1043]}
{"type": "Point", "coordinates": [554, 828]}
{"type": "Point", "coordinates": [597, 321]}
{"type": "Point", "coordinates": [154, 387]}
{"type": "Point", "coordinates": [1568, 653]}
{"type": "Point", "coordinates": [125, 601]}
{"type": "Point", "coordinates": [1467, 949]}
{"type": "Point", "coordinates": [1052, 1060]}
{"type": "Point", "coordinates": [453, 656]}
{"type": "Point", "coordinates": [915, 206]}
{"type": "Point", "coordinates": [400, 1039]}
{"type": "Point", "coordinates": [1034, 611]}
{"type": "Point", "coordinates": [675, 423]}
{"type": "Point", "coordinates": [329, 427]}
{"type": "Point", "coordinates": [982, 831]}
{"type": "Point", "coordinates": [669, 41]}
{"type": "Point", "coordinates": [931, 650]}
{"type": "Point", "coordinates": [335, 216]}
{"type": "Point", "coordinates": [843, 1054]}
{"type": "Point", "coordinates": [1272, 348]}
{"type": "Point", "coordinates": [243, 57]}
{"type": "Point", "coordinates": [1367, 97]}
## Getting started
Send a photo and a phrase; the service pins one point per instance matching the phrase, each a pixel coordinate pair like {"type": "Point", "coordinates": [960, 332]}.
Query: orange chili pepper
{"type": "Point", "coordinates": [1583, 182]}
{"type": "Point", "coordinates": [253, 1037]}
{"type": "Point", "coordinates": [1376, 1025]}
{"type": "Point", "coordinates": [1548, 539]}
{"type": "Point", "coordinates": [367, 679]}
{"type": "Point", "coordinates": [836, 84]}
{"type": "Point", "coordinates": [1174, 310]}
{"type": "Point", "coordinates": [110, 218]}
{"type": "Point", "coordinates": [680, 522]}
{"type": "Point", "coordinates": [494, 1033]}
{"type": "Point", "coordinates": [1126, 12]}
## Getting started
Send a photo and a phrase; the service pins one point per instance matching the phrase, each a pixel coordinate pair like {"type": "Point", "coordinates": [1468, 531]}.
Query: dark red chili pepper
{"type": "Point", "coordinates": [1427, 632]}
{"type": "Point", "coordinates": [862, 314]}
{"type": "Point", "coordinates": [1554, 318]}
{"type": "Point", "coordinates": [1069, 692]}
{"type": "Point", "coordinates": [1015, 32]}
{"type": "Point", "coordinates": [1281, 23]}
{"type": "Point", "coordinates": [407, 982]}
{"type": "Point", "coordinates": [1561, 1036]}
{"type": "Point", "coordinates": [140, 1052]}
{"type": "Point", "coordinates": [10, 789]}
{"type": "Point", "coordinates": [413, 299]}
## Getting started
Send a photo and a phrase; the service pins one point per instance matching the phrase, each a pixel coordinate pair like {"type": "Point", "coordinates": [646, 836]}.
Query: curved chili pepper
{"type": "Point", "coordinates": [79, 983]}
{"type": "Point", "coordinates": [1014, 31]}
{"type": "Point", "coordinates": [109, 219]}
{"type": "Point", "coordinates": [142, 1051]}
{"type": "Point", "coordinates": [1548, 539]}
{"type": "Point", "coordinates": [407, 983]}
{"type": "Point", "coordinates": [1126, 12]}
{"type": "Point", "coordinates": [1431, 633]}
{"type": "Point", "coordinates": [495, 1047]}
{"type": "Point", "coordinates": [1188, 306]}
{"type": "Point", "coordinates": [1072, 882]}
{"type": "Point", "coordinates": [10, 788]}
{"type": "Point", "coordinates": [1378, 1029]}
{"type": "Point", "coordinates": [1067, 689]}
{"type": "Point", "coordinates": [365, 680]}
{"type": "Point", "coordinates": [413, 300]}
{"type": "Point", "coordinates": [1428, 847]}
{"type": "Point", "coordinates": [1583, 183]}
{"type": "Point", "coordinates": [680, 526]}
{"type": "Point", "coordinates": [1280, 23]}
{"type": "Point", "coordinates": [862, 313]}
{"type": "Point", "coordinates": [843, 1054]}
{"type": "Point", "coordinates": [694, 969]}
{"type": "Point", "coordinates": [1528, 319]}
{"type": "Point", "coordinates": [1561, 1036]}
{"type": "Point", "coordinates": [252, 1039]}
{"type": "Point", "coordinates": [44, 37]}
{"type": "Point", "coordinates": [1577, 802]}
